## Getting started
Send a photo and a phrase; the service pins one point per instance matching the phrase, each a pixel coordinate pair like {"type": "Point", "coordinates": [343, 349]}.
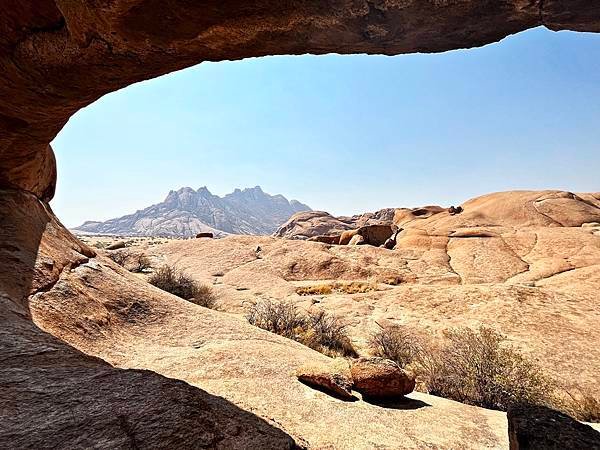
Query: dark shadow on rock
{"type": "Point", "coordinates": [405, 403]}
{"type": "Point", "coordinates": [329, 392]}
{"type": "Point", "coordinates": [532, 427]}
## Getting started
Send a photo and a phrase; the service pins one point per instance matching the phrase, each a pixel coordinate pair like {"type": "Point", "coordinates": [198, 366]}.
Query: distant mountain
{"type": "Point", "coordinates": [187, 212]}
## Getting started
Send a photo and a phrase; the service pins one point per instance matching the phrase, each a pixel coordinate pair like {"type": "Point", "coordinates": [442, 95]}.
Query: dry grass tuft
{"type": "Point", "coordinates": [319, 289]}
{"type": "Point", "coordinates": [316, 330]}
{"type": "Point", "coordinates": [351, 287]}
{"type": "Point", "coordinates": [169, 279]}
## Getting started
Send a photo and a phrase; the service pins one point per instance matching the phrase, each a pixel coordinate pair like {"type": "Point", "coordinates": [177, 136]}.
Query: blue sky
{"type": "Point", "coordinates": [345, 134]}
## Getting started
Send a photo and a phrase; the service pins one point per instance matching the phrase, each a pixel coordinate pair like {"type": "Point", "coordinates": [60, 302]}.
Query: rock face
{"type": "Point", "coordinates": [58, 56]}
{"type": "Point", "coordinates": [375, 235]}
{"type": "Point", "coordinates": [334, 377]}
{"type": "Point", "coordinates": [315, 224]}
{"type": "Point", "coordinates": [538, 427]}
{"type": "Point", "coordinates": [499, 263]}
{"type": "Point", "coordinates": [186, 213]}
{"type": "Point", "coordinates": [380, 378]}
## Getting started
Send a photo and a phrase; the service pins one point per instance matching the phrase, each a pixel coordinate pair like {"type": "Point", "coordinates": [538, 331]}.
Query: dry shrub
{"type": "Point", "coordinates": [582, 404]}
{"type": "Point", "coordinates": [281, 318]}
{"type": "Point", "coordinates": [319, 289]}
{"type": "Point", "coordinates": [118, 257]}
{"type": "Point", "coordinates": [317, 330]}
{"type": "Point", "coordinates": [139, 263]}
{"type": "Point", "coordinates": [136, 263]}
{"type": "Point", "coordinates": [353, 287]}
{"type": "Point", "coordinates": [328, 335]}
{"type": "Point", "coordinates": [169, 279]}
{"type": "Point", "coordinates": [397, 343]}
{"type": "Point", "coordinates": [474, 367]}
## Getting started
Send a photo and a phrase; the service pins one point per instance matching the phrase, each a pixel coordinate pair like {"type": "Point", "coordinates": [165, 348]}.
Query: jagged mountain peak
{"type": "Point", "coordinates": [186, 212]}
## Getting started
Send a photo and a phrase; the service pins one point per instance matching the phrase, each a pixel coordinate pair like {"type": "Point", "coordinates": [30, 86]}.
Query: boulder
{"type": "Point", "coordinates": [537, 427]}
{"type": "Point", "coordinates": [333, 378]}
{"type": "Point", "coordinates": [347, 236]}
{"type": "Point", "coordinates": [205, 235]}
{"type": "Point", "coordinates": [381, 378]}
{"type": "Point", "coordinates": [357, 239]}
{"type": "Point", "coordinates": [325, 239]}
{"type": "Point", "coordinates": [375, 235]}
{"type": "Point", "coordinates": [116, 246]}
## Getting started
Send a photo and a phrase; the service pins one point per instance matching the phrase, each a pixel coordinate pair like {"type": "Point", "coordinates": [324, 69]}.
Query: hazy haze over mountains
{"type": "Point", "coordinates": [187, 212]}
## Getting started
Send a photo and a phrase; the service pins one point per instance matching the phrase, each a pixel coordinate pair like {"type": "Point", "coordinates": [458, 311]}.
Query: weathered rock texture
{"type": "Point", "coordinates": [380, 378]}
{"type": "Point", "coordinates": [238, 390]}
{"type": "Point", "coordinates": [334, 378]}
{"type": "Point", "coordinates": [321, 226]}
{"type": "Point", "coordinates": [505, 262]}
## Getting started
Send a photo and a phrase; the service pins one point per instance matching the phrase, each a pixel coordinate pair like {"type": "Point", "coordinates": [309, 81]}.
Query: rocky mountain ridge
{"type": "Point", "coordinates": [186, 212]}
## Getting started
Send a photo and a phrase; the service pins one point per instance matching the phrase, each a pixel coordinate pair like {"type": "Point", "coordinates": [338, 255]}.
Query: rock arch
{"type": "Point", "coordinates": [58, 56]}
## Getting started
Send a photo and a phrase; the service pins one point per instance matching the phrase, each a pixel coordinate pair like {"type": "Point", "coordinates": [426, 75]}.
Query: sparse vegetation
{"type": "Point", "coordinates": [140, 263]}
{"type": "Point", "coordinates": [136, 263]}
{"type": "Point", "coordinates": [477, 368]}
{"type": "Point", "coordinates": [583, 405]}
{"type": "Point", "coordinates": [319, 289]}
{"type": "Point", "coordinates": [351, 287]}
{"type": "Point", "coordinates": [397, 343]}
{"type": "Point", "coordinates": [316, 330]}
{"type": "Point", "coordinates": [169, 279]}
{"type": "Point", "coordinates": [118, 257]}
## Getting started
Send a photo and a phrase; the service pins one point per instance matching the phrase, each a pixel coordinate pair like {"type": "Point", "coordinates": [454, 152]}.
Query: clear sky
{"type": "Point", "coordinates": [345, 134]}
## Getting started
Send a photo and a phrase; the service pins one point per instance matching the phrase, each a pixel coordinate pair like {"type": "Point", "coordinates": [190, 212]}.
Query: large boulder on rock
{"type": "Point", "coordinates": [347, 236]}
{"type": "Point", "coordinates": [205, 235]}
{"type": "Point", "coordinates": [375, 235]}
{"type": "Point", "coordinates": [381, 378]}
{"type": "Point", "coordinates": [357, 239]}
{"type": "Point", "coordinates": [117, 245]}
{"type": "Point", "coordinates": [333, 378]}
{"type": "Point", "coordinates": [325, 239]}
{"type": "Point", "coordinates": [539, 428]}
{"type": "Point", "coordinates": [309, 224]}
